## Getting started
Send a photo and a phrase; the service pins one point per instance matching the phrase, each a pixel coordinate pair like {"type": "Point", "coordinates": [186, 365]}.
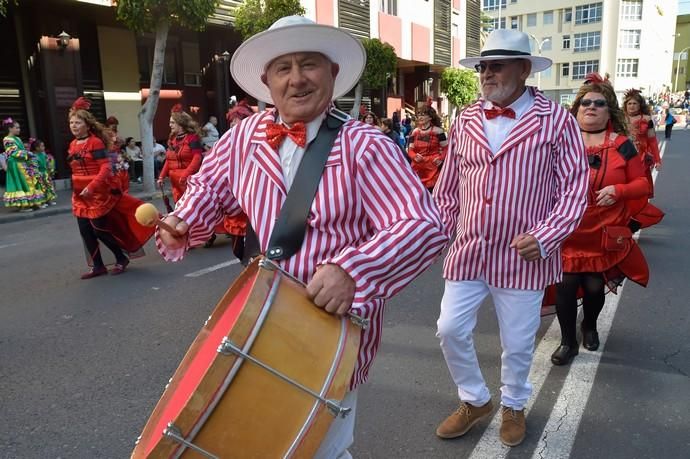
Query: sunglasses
{"type": "Point", "coordinates": [599, 103]}
{"type": "Point", "coordinates": [495, 67]}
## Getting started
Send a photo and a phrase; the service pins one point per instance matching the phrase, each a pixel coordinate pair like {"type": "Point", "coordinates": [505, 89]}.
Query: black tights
{"type": "Point", "coordinates": [91, 231]}
{"type": "Point", "coordinates": [592, 285]}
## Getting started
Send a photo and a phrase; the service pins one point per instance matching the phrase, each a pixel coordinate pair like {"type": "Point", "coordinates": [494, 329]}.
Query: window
{"type": "Point", "coordinates": [626, 68]}
{"type": "Point", "coordinates": [582, 68]}
{"type": "Point", "coordinates": [630, 39]}
{"type": "Point", "coordinates": [490, 5]}
{"type": "Point", "coordinates": [532, 20]}
{"type": "Point", "coordinates": [567, 99]}
{"type": "Point", "coordinates": [568, 15]}
{"type": "Point", "coordinates": [588, 41]}
{"type": "Point", "coordinates": [514, 23]}
{"type": "Point", "coordinates": [565, 69]}
{"type": "Point", "coordinates": [389, 7]}
{"type": "Point", "coordinates": [587, 14]}
{"type": "Point", "coordinates": [548, 17]}
{"type": "Point", "coordinates": [631, 10]}
{"type": "Point", "coordinates": [566, 41]}
{"type": "Point", "coordinates": [492, 24]}
{"type": "Point", "coordinates": [513, 1]}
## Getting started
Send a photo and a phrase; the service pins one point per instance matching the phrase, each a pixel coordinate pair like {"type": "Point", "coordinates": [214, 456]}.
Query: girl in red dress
{"type": "Point", "coordinates": [103, 212]}
{"type": "Point", "coordinates": [643, 135]}
{"type": "Point", "coordinates": [427, 147]}
{"type": "Point", "coordinates": [601, 252]}
{"type": "Point", "coordinates": [184, 154]}
{"type": "Point", "coordinates": [235, 226]}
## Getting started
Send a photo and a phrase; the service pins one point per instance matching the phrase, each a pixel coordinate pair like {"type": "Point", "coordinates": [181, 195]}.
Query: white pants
{"type": "Point", "coordinates": [518, 313]}
{"type": "Point", "coordinates": [341, 434]}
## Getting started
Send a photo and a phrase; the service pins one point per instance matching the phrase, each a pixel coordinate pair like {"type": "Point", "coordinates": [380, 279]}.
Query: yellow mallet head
{"type": "Point", "coordinates": [146, 214]}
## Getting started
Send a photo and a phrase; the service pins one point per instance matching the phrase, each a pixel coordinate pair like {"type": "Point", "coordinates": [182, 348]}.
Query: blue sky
{"type": "Point", "coordinates": [683, 6]}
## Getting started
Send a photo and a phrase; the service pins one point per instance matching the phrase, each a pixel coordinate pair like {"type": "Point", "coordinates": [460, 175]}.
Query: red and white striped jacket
{"type": "Point", "coordinates": [371, 215]}
{"type": "Point", "coordinates": [536, 183]}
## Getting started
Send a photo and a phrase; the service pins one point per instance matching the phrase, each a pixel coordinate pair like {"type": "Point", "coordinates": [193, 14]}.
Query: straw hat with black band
{"type": "Point", "coordinates": [297, 34]}
{"type": "Point", "coordinates": [505, 44]}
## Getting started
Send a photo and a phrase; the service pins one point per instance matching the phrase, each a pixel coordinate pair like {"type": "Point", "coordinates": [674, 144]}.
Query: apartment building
{"type": "Point", "coordinates": [630, 40]}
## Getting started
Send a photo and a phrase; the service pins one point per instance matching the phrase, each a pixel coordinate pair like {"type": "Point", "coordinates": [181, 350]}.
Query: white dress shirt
{"type": "Point", "coordinates": [291, 155]}
{"type": "Point", "coordinates": [497, 129]}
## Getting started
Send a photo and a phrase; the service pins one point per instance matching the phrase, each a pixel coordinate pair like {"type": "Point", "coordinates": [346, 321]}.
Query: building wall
{"type": "Point", "coordinates": [120, 78]}
{"type": "Point", "coordinates": [680, 60]}
{"type": "Point", "coordinates": [654, 57]}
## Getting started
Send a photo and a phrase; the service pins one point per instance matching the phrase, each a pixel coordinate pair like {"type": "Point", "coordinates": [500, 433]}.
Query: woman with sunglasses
{"type": "Point", "coordinates": [427, 147]}
{"type": "Point", "coordinates": [643, 135]}
{"type": "Point", "coordinates": [601, 252]}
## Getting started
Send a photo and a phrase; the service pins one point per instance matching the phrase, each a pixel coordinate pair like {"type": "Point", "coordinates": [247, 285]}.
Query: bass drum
{"type": "Point", "coordinates": [263, 379]}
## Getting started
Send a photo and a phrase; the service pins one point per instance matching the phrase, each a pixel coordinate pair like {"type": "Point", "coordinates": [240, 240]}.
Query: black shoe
{"type": "Point", "coordinates": [210, 242]}
{"type": "Point", "coordinates": [564, 354]}
{"type": "Point", "coordinates": [590, 339]}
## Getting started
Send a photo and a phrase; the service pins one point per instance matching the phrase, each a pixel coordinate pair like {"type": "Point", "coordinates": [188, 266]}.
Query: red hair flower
{"type": "Point", "coordinates": [177, 108]}
{"type": "Point", "coordinates": [81, 103]}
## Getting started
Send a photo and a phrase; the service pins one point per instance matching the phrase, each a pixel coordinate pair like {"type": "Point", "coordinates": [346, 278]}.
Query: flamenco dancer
{"type": "Point", "coordinates": [639, 118]}
{"type": "Point", "coordinates": [601, 252]}
{"type": "Point", "coordinates": [104, 213]}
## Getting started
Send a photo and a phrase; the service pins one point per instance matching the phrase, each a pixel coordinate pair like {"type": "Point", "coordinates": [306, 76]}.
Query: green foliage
{"type": "Point", "coordinates": [3, 6]}
{"type": "Point", "coordinates": [381, 62]}
{"type": "Point", "coordinates": [459, 85]}
{"type": "Point", "coordinates": [254, 16]}
{"type": "Point", "coordinates": [143, 15]}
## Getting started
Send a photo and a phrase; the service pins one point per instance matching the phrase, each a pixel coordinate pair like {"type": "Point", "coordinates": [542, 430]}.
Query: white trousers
{"type": "Point", "coordinates": [341, 434]}
{"type": "Point", "coordinates": [518, 313]}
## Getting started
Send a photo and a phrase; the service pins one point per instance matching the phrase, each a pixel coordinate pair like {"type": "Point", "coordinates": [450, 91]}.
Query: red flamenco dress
{"type": "Point", "coordinates": [603, 242]}
{"type": "Point", "coordinates": [182, 159]}
{"type": "Point", "coordinates": [107, 208]}
{"type": "Point", "coordinates": [641, 210]}
{"type": "Point", "coordinates": [427, 144]}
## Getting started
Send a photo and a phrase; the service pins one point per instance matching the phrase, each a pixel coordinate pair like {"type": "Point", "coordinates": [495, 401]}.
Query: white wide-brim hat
{"type": "Point", "coordinates": [297, 34]}
{"type": "Point", "coordinates": [505, 44]}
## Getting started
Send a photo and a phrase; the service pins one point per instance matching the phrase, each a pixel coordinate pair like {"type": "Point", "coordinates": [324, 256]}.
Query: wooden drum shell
{"type": "Point", "coordinates": [232, 408]}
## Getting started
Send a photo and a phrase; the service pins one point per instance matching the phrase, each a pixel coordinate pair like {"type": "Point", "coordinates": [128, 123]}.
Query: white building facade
{"type": "Point", "coordinates": [630, 40]}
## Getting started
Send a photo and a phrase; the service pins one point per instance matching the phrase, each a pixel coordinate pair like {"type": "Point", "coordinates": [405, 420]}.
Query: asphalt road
{"type": "Point", "coordinates": [82, 363]}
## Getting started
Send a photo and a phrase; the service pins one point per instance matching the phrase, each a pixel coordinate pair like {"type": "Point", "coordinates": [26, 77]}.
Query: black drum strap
{"type": "Point", "coordinates": [289, 231]}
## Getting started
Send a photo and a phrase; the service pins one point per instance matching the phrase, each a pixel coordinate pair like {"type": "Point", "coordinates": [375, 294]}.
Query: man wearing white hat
{"type": "Point", "coordinates": [371, 227]}
{"type": "Point", "coordinates": [513, 187]}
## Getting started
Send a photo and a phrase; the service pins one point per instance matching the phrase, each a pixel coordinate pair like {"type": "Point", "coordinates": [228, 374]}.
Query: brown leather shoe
{"type": "Point", "coordinates": [462, 420]}
{"type": "Point", "coordinates": [512, 426]}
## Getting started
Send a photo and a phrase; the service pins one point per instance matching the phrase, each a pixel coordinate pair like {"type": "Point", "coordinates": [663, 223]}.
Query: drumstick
{"type": "Point", "coordinates": [147, 215]}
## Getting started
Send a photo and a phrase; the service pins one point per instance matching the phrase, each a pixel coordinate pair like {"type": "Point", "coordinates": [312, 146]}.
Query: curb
{"type": "Point", "coordinates": [50, 211]}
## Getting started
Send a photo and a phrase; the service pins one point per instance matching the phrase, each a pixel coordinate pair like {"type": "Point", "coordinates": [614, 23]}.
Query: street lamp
{"type": "Point", "coordinates": [539, 47]}
{"type": "Point", "coordinates": [675, 83]}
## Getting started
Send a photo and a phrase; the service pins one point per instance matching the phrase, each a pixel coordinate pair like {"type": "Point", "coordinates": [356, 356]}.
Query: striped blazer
{"type": "Point", "coordinates": [371, 215]}
{"type": "Point", "coordinates": [536, 183]}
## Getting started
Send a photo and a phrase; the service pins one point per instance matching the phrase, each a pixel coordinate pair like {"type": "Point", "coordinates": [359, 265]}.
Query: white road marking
{"type": "Point", "coordinates": [558, 436]}
{"type": "Point", "coordinates": [210, 269]}
{"type": "Point", "coordinates": [4, 246]}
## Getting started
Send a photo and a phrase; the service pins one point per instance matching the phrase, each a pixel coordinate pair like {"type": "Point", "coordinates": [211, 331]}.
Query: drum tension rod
{"type": "Point", "coordinates": [265, 263]}
{"type": "Point", "coordinates": [227, 347]}
{"type": "Point", "coordinates": [173, 432]}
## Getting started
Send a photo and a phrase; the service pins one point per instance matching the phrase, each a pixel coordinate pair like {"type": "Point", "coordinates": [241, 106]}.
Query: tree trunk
{"type": "Point", "coordinates": [359, 89]}
{"type": "Point", "coordinates": [148, 110]}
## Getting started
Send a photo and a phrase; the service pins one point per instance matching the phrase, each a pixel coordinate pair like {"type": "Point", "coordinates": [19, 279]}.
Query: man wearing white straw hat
{"type": "Point", "coordinates": [512, 188]}
{"type": "Point", "coordinates": [371, 227]}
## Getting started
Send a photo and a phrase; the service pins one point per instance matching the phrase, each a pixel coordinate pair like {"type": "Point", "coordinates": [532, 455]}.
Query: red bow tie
{"type": "Point", "coordinates": [495, 112]}
{"type": "Point", "coordinates": [276, 133]}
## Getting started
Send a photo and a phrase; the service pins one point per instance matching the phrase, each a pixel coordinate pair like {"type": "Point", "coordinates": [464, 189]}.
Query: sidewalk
{"type": "Point", "coordinates": [64, 204]}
